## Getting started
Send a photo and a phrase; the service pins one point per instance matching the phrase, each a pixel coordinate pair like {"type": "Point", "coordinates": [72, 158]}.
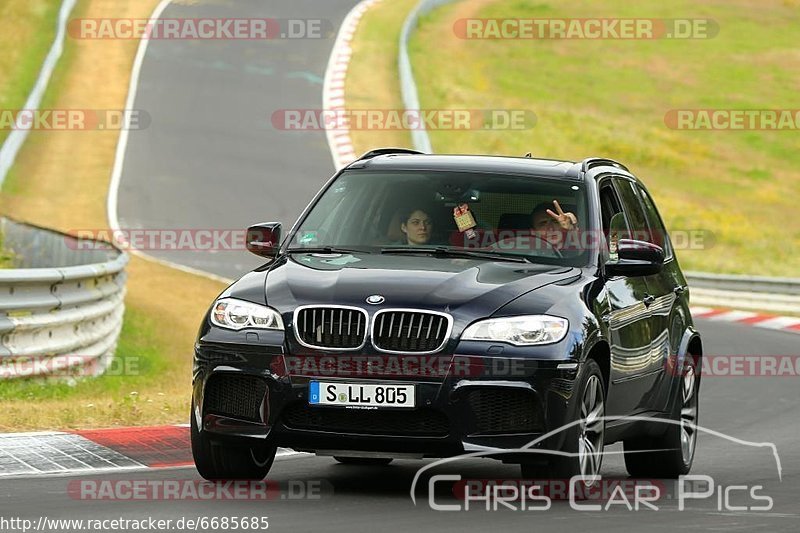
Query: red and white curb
{"type": "Point", "coordinates": [749, 318]}
{"type": "Point", "coordinates": [339, 140]}
{"type": "Point", "coordinates": [96, 451]}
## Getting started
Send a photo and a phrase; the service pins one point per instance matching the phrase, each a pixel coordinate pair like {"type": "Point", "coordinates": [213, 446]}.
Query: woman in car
{"type": "Point", "coordinates": [416, 226]}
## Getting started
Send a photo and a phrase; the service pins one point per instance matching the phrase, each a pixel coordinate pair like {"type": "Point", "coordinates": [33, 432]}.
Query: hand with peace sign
{"type": "Point", "coordinates": [566, 220]}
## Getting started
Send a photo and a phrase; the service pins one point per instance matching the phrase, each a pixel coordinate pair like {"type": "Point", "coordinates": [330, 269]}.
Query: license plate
{"type": "Point", "coordinates": [361, 395]}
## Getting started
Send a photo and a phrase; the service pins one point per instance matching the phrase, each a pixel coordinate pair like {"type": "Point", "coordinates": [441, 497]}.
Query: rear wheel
{"type": "Point", "coordinates": [584, 441]}
{"type": "Point", "coordinates": [671, 454]}
{"type": "Point", "coordinates": [223, 460]}
{"type": "Point", "coordinates": [364, 461]}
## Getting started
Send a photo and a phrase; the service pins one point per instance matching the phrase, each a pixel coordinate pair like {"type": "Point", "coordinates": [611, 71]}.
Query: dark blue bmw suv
{"type": "Point", "coordinates": [434, 305]}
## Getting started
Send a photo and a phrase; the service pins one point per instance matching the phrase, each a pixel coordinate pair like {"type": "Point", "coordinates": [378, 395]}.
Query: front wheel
{"type": "Point", "coordinates": [222, 460]}
{"type": "Point", "coordinates": [584, 442]}
{"type": "Point", "coordinates": [671, 454]}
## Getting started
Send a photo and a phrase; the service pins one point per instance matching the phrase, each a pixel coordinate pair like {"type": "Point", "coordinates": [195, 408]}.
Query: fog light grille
{"type": "Point", "coordinates": [235, 396]}
{"type": "Point", "coordinates": [504, 410]}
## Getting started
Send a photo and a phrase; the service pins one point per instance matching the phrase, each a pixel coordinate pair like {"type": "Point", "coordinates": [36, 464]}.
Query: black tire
{"type": "Point", "coordinates": [667, 456]}
{"type": "Point", "coordinates": [576, 436]}
{"type": "Point", "coordinates": [364, 461]}
{"type": "Point", "coordinates": [224, 460]}
{"type": "Point", "coordinates": [534, 471]}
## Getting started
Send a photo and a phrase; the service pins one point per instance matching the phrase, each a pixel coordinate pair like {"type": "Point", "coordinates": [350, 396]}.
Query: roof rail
{"type": "Point", "coordinates": [591, 162]}
{"type": "Point", "coordinates": [385, 151]}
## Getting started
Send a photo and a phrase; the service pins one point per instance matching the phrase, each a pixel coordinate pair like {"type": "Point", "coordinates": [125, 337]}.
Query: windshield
{"type": "Point", "coordinates": [449, 212]}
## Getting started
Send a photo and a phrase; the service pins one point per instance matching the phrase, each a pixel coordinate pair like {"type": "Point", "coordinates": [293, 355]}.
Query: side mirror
{"type": "Point", "coordinates": [636, 258]}
{"type": "Point", "coordinates": [264, 239]}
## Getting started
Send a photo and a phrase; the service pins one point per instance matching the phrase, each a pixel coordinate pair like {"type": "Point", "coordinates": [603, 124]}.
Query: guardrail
{"type": "Point", "coordinates": [61, 305]}
{"type": "Point", "coordinates": [745, 292]}
{"type": "Point", "coordinates": [739, 283]}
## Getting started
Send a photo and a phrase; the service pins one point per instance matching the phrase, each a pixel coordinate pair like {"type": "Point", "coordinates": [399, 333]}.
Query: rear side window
{"type": "Point", "coordinates": [660, 235]}
{"type": "Point", "coordinates": [609, 205]}
{"type": "Point", "coordinates": [645, 223]}
{"type": "Point", "coordinates": [634, 210]}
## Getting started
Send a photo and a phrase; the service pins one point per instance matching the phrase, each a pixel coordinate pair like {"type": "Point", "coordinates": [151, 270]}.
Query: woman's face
{"type": "Point", "coordinates": [417, 228]}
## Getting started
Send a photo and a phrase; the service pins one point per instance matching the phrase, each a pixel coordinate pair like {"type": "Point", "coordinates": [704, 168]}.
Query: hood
{"type": "Point", "coordinates": [466, 287]}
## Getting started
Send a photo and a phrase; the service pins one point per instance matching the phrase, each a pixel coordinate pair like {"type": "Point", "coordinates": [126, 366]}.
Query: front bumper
{"type": "Point", "coordinates": [471, 401]}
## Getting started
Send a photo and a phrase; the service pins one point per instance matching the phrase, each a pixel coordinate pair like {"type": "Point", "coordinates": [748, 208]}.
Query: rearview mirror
{"type": "Point", "coordinates": [635, 258]}
{"type": "Point", "coordinates": [264, 239]}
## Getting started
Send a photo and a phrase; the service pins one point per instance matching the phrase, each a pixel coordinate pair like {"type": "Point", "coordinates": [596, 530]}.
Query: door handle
{"type": "Point", "coordinates": [649, 299]}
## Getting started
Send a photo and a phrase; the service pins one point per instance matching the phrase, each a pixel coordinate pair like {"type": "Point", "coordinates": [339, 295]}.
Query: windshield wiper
{"type": "Point", "coordinates": [325, 250]}
{"type": "Point", "coordinates": [442, 251]}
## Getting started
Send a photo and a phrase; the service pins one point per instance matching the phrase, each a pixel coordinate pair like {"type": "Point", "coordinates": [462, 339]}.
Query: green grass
{"type": "Point", "coordinates": [27, 30]}
{"type": "Point", "coordinates": [609, 98]}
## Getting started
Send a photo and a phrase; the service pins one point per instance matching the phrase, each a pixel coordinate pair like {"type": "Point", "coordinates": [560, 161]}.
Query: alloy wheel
{"type": "Point", "coordinates": [688, 413]}
{"type": "Point", "coordinates": [592, 428]}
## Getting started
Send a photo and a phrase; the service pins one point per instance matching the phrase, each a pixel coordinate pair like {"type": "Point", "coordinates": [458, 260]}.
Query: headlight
{"type": "Point", "coordinates": [527, 330]}
{"type": "Point", "coordinates": [237, 314]}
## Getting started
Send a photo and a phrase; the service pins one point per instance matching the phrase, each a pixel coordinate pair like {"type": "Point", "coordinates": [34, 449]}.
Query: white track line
{"type": "Point", "coordinates": [119, 160]}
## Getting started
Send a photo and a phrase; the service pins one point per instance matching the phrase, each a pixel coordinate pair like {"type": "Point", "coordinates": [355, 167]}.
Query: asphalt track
{"type": "Point", "coordinates": [211, 158]}
{"type": "Point", "coordinates": [355, 499]}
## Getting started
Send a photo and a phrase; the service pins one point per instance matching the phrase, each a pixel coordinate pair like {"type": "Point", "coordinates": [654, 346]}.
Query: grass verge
{"type": "Point", "coordinates": [61, 180]}
{"type": "Point", "coordinates": [610, 98]}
